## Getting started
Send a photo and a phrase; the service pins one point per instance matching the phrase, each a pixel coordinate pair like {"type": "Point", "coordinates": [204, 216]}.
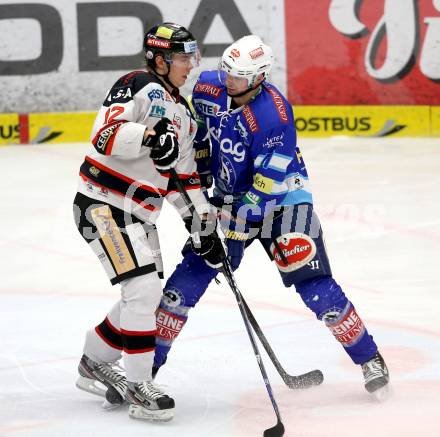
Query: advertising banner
{"type": "Point", "coordinates": [63, 55]}
{"type": "Point", "coordinates": [363, 52]}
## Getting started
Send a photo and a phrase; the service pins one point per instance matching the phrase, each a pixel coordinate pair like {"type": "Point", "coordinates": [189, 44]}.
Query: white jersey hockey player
{"type": "Point", "coordinates": [143, 130]}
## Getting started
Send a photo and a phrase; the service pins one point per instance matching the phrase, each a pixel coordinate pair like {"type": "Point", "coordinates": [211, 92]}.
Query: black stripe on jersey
{"type": "Point", "coordinates": [109, 334]}
{"type": "Point", "coordinates": [138, 342]}
{"type": "Point", "coordinates": [102, 177]}
{"type": "Point", "coordinates": [127, 86]}
{"type": "Point", "coordinates": [188, 181]}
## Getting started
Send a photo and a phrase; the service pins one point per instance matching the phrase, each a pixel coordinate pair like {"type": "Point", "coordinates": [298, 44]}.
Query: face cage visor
{"type": "Point", "coordinates": [226, 74]}
{"type": "Point", "coordinates": [185, 54]}
{"type": "Point", "coordinates": [182, 59]}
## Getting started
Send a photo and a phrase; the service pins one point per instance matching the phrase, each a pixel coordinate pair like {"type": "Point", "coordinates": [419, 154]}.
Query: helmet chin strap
{"type": "Point", "coordinates": [174, 90]}
{"type": "Point", "coordinates": [248, 90]}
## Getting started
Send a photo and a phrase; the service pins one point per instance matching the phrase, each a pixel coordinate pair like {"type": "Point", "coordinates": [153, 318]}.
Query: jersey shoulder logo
{"type": "Point", "coordinates": [208, 89]}
{"type": "Point", "coordinates": [250, 118]}
{"type": "Point", "coordinates": [279, 105]}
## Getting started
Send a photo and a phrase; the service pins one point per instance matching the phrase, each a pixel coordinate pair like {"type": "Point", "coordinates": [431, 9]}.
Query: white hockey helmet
{"type": "Point", "coordinates": [247, 58]}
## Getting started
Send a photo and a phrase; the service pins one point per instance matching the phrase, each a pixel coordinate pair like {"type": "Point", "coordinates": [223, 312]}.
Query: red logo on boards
{"type": "Point", "coordinates": [345, 52]}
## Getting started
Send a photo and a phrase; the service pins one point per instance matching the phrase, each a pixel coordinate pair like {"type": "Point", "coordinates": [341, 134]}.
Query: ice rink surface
{"type": "Point", "coordinates": [379, 205]}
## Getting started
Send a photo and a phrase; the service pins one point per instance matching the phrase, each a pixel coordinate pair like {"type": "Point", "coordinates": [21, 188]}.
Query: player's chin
{"type": "Point", "coordinates": [182, 80]}
{"type": "Point", "coordinates": [232, 92]}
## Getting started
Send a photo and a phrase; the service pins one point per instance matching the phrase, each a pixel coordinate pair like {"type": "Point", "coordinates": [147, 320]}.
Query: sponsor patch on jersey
{"type": "Point", "coordinates": [159, 94]}
{"type": "Point", "coordinates": [279, 104]}
{"type": "Point", "coordinates": [252, 198]}
{"type": "Point", "coordinates": [298, 182]}
{"type": "Point", "coordinates": [121, 95]}
{"type": "Point", "coordinates": [102, 141]}
{"type": "Point", "coordinates": [298, 249]}
{"type": "Point", "coordinates": [157, 111]}
{"type": "Point", "coordinates": [254, 54]}
{"type": "Point", "coordinates": [275, 141]}
{"type": "Point", "coordinates": [207, 88]}
{"type": "Point", "coordinates": [251, 121]}
{"type": "Point", "coordinates": [263, 184]}
{"type": "Point", "coordinates": [177, 121]}
{"type": "Point", "coordinates": [206, 107]}
{"type": "Point", "coordinates": [348, 328]}
{"type": "Point", "coordinates": [94, 171]}
{"type": "Point", "coordinates": [168, 324]}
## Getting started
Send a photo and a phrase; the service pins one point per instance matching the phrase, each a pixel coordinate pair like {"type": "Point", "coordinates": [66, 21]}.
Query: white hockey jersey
{"type": "Point", "coordinates": [120, 171]}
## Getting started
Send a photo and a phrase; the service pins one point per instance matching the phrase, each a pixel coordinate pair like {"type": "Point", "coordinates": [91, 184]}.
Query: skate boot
{"type": "Point", "coordinates": [376, 376]}
{"type": "Point", "coordinates": [149, 402]}
{"type": "Point", "coordinates": [102, 379]}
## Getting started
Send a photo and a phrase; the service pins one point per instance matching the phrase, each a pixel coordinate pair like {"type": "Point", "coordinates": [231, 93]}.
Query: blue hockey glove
{"type": "Point", "coordinates": [235, 252]}
{"type": "Point", "coordinates": [236, 232]}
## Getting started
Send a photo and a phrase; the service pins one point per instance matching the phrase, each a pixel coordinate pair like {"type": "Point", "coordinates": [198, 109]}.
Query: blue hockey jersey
{"type": "Point", "coordinates": [254, 156]}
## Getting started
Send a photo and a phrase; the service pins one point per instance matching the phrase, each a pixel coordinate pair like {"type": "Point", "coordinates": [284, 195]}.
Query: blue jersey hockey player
{"type": "Point", "coordinates": [246, 142]}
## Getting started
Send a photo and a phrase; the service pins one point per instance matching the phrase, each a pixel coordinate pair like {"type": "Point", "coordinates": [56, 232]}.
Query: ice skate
{"type": "Point", "coordinates": [102, 379]}
{"type": "Point", "coordinates": [149, 402]}
{"type": "Point", "coordinates": [376, 377]}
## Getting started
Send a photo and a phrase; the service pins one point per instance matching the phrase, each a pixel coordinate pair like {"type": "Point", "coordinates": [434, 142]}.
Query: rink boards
{"type": "Point", "coordinates": [311, 121]}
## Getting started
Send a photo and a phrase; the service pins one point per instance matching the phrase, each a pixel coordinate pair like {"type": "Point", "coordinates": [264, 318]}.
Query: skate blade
{"type": "Point", "coordinates": [138, 412]}
{"type": "Point", "coordinates": [382, 394]}
{"type": "Point", "coordinates": [91, 386]}
{"type": "Point", "coordinates": [108, 406]}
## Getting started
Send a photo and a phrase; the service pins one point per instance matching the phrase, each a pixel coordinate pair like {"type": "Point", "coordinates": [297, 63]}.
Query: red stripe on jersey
{"type": "Point", "coordinates": [109, 324]}
{"type": "Point", "coordinates": [23, 123]}
{"type": "Point", "coordinates": [134, 199]}
{"type": "Point", "coordinates": [106, 340]}
{"type": "Point", "coordinates": [107, 145]}
{"type": "Point", "coordinates": [138, 351]}
{"type": "Point", "coordinates": [125, 178]}
{"type": "Point", "coordinates": [138, 333]}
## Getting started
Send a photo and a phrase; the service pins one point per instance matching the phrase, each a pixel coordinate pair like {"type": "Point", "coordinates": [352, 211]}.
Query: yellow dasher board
{"type": "Point", "coordinates": [364, 121]}
{"type": "Point", "coordinates": [311, 121]}
{"type": "Point", "coordinates": [50, 127]}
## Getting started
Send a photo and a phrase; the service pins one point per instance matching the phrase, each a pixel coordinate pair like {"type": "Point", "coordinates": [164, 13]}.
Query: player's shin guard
{"type": "Point", "coordinates": [327, 300]}
{"type": "Point", "coordinates": [182, 291]}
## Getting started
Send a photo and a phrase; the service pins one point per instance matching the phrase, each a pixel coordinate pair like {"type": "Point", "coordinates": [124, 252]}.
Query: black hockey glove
{"type": "Point", "coordinates": [207, 243]}
{"type": "Point", "coordinates": [165, 149]}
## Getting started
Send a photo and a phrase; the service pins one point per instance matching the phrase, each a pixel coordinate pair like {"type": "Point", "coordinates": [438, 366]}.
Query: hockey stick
{"type": "Point", "coordinates": [278, 429]}
{"type": "Point", "coordinates": [305, 380]}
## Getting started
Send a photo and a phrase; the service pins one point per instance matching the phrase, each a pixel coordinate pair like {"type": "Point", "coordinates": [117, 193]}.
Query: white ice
{"type": "Point", "coordinates": [379, 205]}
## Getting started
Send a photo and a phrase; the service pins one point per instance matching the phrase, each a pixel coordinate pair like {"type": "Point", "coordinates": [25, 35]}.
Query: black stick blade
{"type": "Point", "coordinates": [275, 431]}
{"type": "Point", "coordinates": [306, 380]}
